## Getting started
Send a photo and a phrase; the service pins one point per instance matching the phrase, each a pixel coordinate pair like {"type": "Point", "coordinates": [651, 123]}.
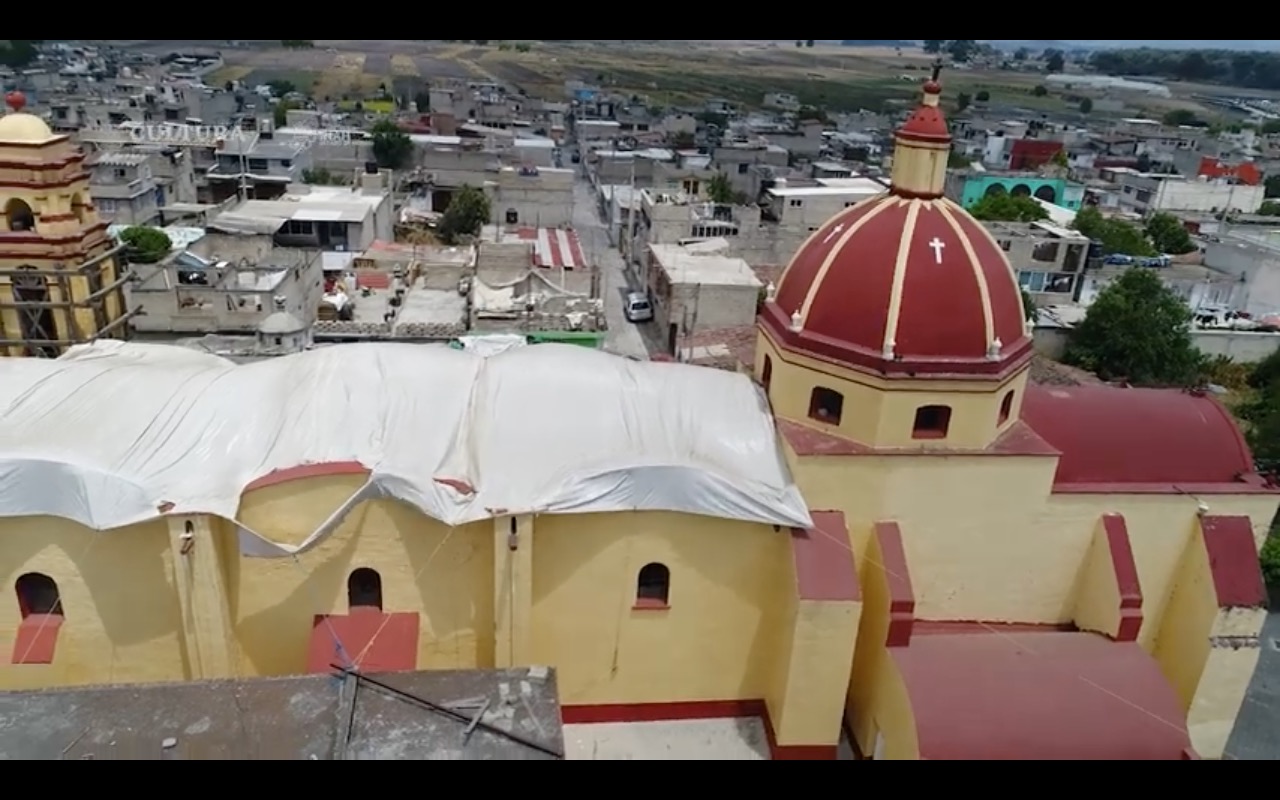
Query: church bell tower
{"type": "Point", "coordinates": [61, 283]}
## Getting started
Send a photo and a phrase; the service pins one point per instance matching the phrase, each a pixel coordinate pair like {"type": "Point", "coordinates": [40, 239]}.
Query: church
{"type": "Point", "coordinates": [886, 532]}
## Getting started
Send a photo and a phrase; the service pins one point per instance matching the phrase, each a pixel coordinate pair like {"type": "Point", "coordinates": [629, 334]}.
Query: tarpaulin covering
{"type": "Point", "coordinates": [114, 434]}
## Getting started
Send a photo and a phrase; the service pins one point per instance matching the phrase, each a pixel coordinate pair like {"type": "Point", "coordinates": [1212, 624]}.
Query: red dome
{"type": "Point", "coordinates": [926, 124]}
{"type": "Point", "coordinates": [903, 286]}
{"type": "Point", "coordinates": [16, 101]}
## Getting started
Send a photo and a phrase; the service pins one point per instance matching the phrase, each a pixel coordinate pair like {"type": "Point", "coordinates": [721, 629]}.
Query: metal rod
{"type": "Point", "coordinates": [104, 333]}
{"type": "Point", "coordinates": [86, 302]}
{"type": "Point", "coordinates": [448, 713]}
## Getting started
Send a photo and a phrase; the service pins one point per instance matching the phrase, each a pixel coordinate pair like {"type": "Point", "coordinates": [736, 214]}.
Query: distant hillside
{"type": "Point", "coordinates": [878, 43]}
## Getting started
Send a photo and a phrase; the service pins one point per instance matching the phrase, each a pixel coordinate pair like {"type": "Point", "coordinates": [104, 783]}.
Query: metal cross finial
{"type": "Point", "coordinates": [937, 68]}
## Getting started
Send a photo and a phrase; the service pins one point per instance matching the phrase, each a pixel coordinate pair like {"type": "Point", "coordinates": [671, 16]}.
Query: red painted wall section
{"type": "Point", "coordinates": [1233, 562]}
{"type": "Point", "coordinates": [1126, 572]}
{"type": "Point", "coordinates": [37, 639]}
{"type": "Point", "coordinates": [825, 568]}
{"type": "Point", "coordinates": [902, 596]}
{"type": "Point", "coordinates": [375, 641]}
{"type": "Point", "coordinates": [304, 471]}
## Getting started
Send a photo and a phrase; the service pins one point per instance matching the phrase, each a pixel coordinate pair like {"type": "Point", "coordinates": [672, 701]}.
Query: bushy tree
{"type": "Point", "coordinates": [392, 147]}
{"type": "Point", "coordinates": [1117, 236]}
{"type": "Point", "coordinates": [720, 190]}
{"type": "Point", "coordinates": [1169, 235]}
{"type": "Point", "coordinates": [1137, 330]}
{"type": "Point", "coordinates": [467, 214]}
{"type": "Point", "coordinates": [145, 245]}
{"type": "Point", "coordinates": [1007, 208]}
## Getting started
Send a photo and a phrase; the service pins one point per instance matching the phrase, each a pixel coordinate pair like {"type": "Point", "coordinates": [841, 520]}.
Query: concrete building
{"type": "Point", "coordinates": [341, 219]}
{"type": "Point", "coordinates": [967, 187]}
{"type": "Point", "coordinates": [892, 530]}
{"type": "Point", "coordinates": [808, 207]}
{"type": "Point", "coordinates": [61, 275]}
{"type": "Point", "coordinates": [261, 169]}
{"type": "Point", "coordinates": [695, 287]}
{"type": "Point", "coordinates": [1146, 193]}
{"type": "Point", "coordinates": [1251, 256]}
{"type": "Point", "coordinates": [1050, 261]}
{"type": "Point", "coordinates": [223, 284]}
{"type": "Point", "coordinates": [123, 189]}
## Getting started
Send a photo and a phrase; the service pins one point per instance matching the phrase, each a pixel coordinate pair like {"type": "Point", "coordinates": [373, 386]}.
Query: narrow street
{"type": "Point", "coordinates": [624, 338]}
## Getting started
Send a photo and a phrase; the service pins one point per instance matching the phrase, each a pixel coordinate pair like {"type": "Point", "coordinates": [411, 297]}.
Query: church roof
{"type": "Point", "coordinates": [17, 127]}
{"type": "Point", "coordinates": [908, 283]}
{"type": "Point", "coordinates": [1002, 696]}
{"type": "Point", "coordinates": [1155, 437]}
{"type": "Point", "coordinates": [544, 429]}
{"type": "Point", "coordinates": [904, 286]}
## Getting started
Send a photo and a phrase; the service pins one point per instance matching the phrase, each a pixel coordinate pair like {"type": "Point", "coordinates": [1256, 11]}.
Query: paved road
{"type": "Point", "coordinates": [624, 338]}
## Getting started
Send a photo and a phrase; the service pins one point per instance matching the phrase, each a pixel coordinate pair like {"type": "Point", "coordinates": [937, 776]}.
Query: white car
{"type": "Point", "coordinates": [637, 308]}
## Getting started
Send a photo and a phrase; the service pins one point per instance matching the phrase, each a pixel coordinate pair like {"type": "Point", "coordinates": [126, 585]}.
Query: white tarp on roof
{"type": "Point", "coordinates": [113, 434]}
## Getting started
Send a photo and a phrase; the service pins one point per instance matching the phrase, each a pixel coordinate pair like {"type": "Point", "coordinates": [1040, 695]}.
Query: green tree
{"type": "Point", "coordinates": [934, 46]}
{"type": "Point", "coordinates": [720, 190]}
{"type": "Point", "coordinates": [1117, 236]}
{"type": "Point", "coordinates": [1007, 208]}
{"type": "Point", "coordinates": [983, 96]}
{"type": "Point", "coordinates": [1086, 106]}
{"type": "Point", "coordinates": [963, 101]}
{"type": "Point", "coordinates": [422, 100]}
{"type": "Point", "coordinates": [392, 147]}
{"type": "Point", "coordinates": [1054, 61]}
{"type": "Point", "coordinates": [1169, 236]}
{"type": "Point", "coordinates": [1181, 117]}
{"type": "Point", "coordinates": [1039, 91]}
{"type": "Point", "coordinates": [145, 245]}
{"type": "Point", "coordinates": [468, 212]}
{"type": "Point", "coordinates": [1021, 54]}
{"type": "Point", "coordinates": [1028, 306]}
{"type": "Point", "coordinates": [1272, 184]}
{"type": "Point", "coordinates": [1269, 209]}
{"type": "Point", "coordinates": [962, 50]}
{"type": "Point", "coordinates": [1137, 330]}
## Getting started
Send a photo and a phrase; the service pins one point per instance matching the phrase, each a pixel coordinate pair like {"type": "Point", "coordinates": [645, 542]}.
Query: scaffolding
{"type": "Point", "coordinates": [46, 327]}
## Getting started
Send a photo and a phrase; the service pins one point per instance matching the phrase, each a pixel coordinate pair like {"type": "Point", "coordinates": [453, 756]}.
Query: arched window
{"type": "Point", "coordinates": [38, 595]}
{"type": "Point", "coordinates": [932, 422]}
{"type": "Point", "coordinates": [826, 405]}
{"type": "Point", "coordinates": [1047, 193]}
{"type": "Point", "coordinates": [653, 588]}
{"type": "Point", "coordinates": [18, 216]}
{"type": "Point", "coordinates": [1006, 408]}
{"type": "Point", "coordinates": [766, 373]}
{"type": "Point", "coordinates": [1021, 190]}
{"type": "Point", "coordinates": [364, 589]}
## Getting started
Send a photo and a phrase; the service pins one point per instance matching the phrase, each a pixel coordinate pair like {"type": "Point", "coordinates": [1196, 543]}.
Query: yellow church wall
{"type": "Point", "coordinates": [878, 707]}
{"type": "Point", "coordinates": [886, 419]}
{"type": "Point", "coordinates": [444, 574]}
{"type": "Point", "coordinates": [123, 619]}
{"type": "Point", "coordinates": [716, 642]}
{"type": "Point", "coordinates": [1207, 653]}
{"type": "Point", "coordinates": [986, 539]}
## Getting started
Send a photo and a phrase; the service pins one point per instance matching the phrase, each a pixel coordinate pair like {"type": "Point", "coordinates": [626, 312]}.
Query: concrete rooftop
{"type": "Point", "coordinates": [311, 718]}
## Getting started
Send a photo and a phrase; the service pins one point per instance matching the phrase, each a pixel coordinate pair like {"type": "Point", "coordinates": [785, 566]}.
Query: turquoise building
{"type": "Point", "coordinates": [967, 188]}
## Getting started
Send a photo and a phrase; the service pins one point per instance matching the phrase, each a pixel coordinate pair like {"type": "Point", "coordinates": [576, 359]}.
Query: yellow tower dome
{"type": "Point", "coordinates": [19, 128]}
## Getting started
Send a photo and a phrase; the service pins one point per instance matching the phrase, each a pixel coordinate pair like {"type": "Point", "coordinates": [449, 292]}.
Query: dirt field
{"type": "Point", "coordinates": [663, 73]}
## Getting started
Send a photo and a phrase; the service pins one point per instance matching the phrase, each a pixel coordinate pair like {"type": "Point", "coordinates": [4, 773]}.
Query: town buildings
{"type": "Point", "coordinates": [890, 529]}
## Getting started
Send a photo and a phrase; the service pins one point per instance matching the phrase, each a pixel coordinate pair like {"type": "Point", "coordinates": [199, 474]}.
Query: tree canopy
{"type": "Point", "coordinates": [1169, 236]}
{"type": "Point", "coordinates": [1137, 330]}
{"type": "Point", "coordinates": [392, 147]}
{"type": "Point", "coordinates": [1116, 236]}
{"type": "Point", "coordinates": [1007, 208]}
{"type": "Point", "coordinates": [467, 214]}
{"type": "Point", "coordinates": [145, 245]}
